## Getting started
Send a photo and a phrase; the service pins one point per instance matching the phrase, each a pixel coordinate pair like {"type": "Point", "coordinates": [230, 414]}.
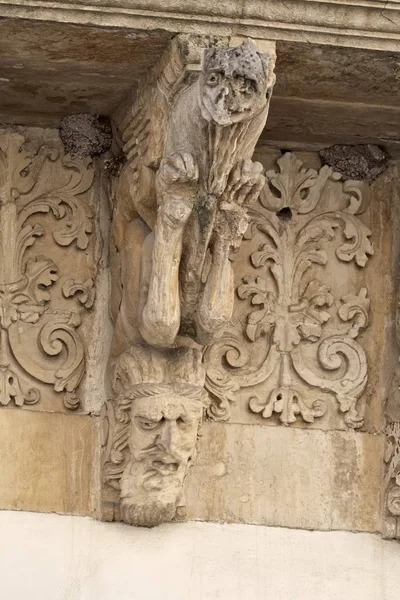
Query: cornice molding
{"type": "Point", "coordinates": [370, 24]}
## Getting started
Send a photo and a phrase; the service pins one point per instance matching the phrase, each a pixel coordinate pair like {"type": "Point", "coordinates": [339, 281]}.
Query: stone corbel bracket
{"type": "Point", "coordinates": [189, 179]}
{"type": "Point", "coordinates": [179, 210]}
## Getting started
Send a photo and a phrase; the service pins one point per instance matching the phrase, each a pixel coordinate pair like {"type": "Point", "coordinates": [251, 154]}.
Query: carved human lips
{"type": "Point", "coordinates": [165, 467]}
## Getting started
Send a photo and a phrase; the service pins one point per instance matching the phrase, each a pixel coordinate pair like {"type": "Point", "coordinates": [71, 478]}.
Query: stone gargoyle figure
{"type": "Point", "coordinates": [184, 193]}
{"type": "Point", "coordinates": [157, 411]}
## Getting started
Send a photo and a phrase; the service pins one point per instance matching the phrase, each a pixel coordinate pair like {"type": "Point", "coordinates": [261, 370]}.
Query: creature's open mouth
{"type": "Point", "coordinates": [239, 111]}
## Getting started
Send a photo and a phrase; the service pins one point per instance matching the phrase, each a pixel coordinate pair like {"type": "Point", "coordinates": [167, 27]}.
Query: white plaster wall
{"type": "Point", "coordinates": [51, 557]}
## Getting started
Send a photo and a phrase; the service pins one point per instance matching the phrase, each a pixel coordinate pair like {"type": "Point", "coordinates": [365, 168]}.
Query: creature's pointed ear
{"type": "Point", "coordinates": [250, 44]}
{"type": "Point", "coordinates": [208, 56]}
{"type": "Point", "coordinates": [268, 60]}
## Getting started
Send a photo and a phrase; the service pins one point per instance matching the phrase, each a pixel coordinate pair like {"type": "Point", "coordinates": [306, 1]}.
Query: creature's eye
{"type": "Point", "coordinates": [249, 86]}
{"type": "Point", "coordinates": [212, 79]}
{"type": "Point", "coordinates": [148, 425]}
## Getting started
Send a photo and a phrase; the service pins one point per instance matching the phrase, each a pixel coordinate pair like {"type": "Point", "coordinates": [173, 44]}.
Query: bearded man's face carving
{"type": "Point", "coordinates": [163, 433]}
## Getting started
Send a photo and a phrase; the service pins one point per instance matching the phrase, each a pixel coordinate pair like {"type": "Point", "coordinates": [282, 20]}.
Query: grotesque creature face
{"type": "Point", "coordinates": [162, 439]}
{"type": "Point", "coordinates": [235, 83]}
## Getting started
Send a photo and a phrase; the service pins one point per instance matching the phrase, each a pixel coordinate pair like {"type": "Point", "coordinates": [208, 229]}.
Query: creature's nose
{"type": "Point", "coordinates": [224, 91]}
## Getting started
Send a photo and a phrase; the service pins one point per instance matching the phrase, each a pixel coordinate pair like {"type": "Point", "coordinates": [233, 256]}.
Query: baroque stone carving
{"type": "Point", "coordinates": [56, 354]}
{"type": "Point", "coordinates": [190, 178]}
{"type": "Point", "coordinates": [180, 209]}
{"type": "Point", "coordinates": [392, 479]}
{"type": "Point", "coordinates": [298, 344]}
{"type": "Point", "coordinates": [152, 428]}
{"type": "Point", "coordinates": [391, 511]}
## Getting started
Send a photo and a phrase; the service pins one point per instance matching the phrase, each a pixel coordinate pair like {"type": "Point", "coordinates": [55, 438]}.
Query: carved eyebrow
{"type": "Point", "coordinates": [145, 417]}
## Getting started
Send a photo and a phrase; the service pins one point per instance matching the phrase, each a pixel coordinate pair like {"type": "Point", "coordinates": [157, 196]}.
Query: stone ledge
{"type": "Point", "coordinates": [356, 23]}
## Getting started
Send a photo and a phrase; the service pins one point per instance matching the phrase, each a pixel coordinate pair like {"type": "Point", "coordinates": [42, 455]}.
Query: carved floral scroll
{"type": "Point", "coordinates": [39, 343]}
{"type": "Point", "coordinates": [297, 344]}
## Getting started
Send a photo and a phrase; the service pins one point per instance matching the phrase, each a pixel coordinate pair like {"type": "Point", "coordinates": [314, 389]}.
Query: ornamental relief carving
{"type": "Point", "coordinates": [294, 348]}
{"type": "Point", "coordinates": [392, 476]}
{"type": "Point", "coordinates": [42, 212]}
{"type": "Point", "coordinates": [391, 483]}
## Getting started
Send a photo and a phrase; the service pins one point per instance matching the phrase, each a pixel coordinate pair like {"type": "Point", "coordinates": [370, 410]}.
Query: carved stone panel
{"type": "Point", "coordinates": [293, 353]}
{"type": "Point", "coordinates": [46, 270]}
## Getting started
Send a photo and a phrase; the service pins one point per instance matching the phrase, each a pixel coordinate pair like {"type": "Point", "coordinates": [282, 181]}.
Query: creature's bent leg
{"type": "Point", "coordinates": [159, 310]}
{"type": "Point", "coordinates": [216, 305]}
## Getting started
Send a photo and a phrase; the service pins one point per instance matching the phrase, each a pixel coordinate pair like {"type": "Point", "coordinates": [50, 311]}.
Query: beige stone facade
{"type": "Point", "coordinates": [199, 246]}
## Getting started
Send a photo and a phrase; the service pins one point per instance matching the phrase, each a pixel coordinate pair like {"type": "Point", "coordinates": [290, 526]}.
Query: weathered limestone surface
{"type": "Point", "coordinates": [371, 24]}
{"type": "Point", "coordinates": [391, 484]}
{"type": "Point", "coordinates": [48, 461]}
{"type": "Point", "coordinates": [259, 293]}
{"type": "Point", "coordinates": [325, 94]}
{"type": "Point", "coordinates": [287, 477]}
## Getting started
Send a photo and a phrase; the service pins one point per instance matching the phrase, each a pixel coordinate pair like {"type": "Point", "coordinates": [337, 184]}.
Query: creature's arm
{"type": "Point", "coordinates": [216, 306]}
{"type": "Point", "coordinates": [159, 312]}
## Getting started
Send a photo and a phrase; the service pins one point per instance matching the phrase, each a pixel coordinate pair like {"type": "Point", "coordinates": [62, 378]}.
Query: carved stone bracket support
{"type": "Point", "coordinates": [181, 207]}
{"type": "Point", "coordinates": [38, 343]}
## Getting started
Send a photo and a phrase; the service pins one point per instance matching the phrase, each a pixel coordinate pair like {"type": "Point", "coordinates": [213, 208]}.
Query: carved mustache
{"type": "Point", "coordinates": [163, 463]}
{"type": "Point", "coordinates": [165, 467]}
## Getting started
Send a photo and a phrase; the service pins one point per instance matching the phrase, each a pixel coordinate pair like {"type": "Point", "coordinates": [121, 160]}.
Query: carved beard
{"type": "Point", "coordinates": [147, 514]}
{"type": "Point", "coordinates": [148, 499]}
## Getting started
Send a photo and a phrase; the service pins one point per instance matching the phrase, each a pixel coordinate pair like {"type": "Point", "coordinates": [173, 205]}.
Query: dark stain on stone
{"type": "Point", "coordinates": [85, 134]}
{"type": "Point", "coordinates": [364, 162]}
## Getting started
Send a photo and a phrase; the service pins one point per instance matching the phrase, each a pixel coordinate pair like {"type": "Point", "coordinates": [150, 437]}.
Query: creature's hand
{"type": "Point", "coordinates": [176, 185]}
{"type": "Point", "coordinates": [243, 188]}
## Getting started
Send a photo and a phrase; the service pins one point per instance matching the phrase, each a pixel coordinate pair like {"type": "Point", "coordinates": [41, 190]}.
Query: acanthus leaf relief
{"type": "Point", "coordinates": [296, 346]}
{"type": "Point", "coordinates": [55, 353]}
